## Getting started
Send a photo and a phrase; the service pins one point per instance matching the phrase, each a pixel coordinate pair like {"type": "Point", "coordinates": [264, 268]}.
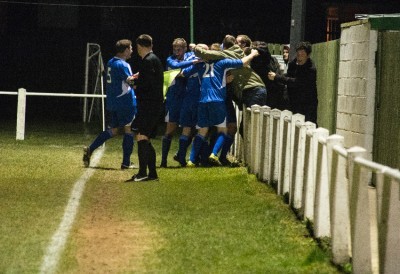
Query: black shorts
{"type": "Point", "coordinates": [147, 118]}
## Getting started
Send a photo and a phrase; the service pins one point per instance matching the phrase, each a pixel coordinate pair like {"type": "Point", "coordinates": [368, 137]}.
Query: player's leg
{"type": "Point", "coordinates": [126, 118]}
{"type": "Point", "coordinates": [217, 113]}
{"type": "Point", "coordinates": [100, 139]}
{"type": "Point", "coordinates": [198, 144]}
{"type": "Point", "coordinates": [166, 142]}
{"type": "Point", "coordinates": [231, 131]}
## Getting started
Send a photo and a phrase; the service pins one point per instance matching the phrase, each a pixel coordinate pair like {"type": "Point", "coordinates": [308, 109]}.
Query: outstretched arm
{"type": "Point", "coordinates": [247, 59]}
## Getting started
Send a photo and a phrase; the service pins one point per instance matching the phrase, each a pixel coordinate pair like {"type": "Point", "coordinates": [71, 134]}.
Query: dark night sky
{"type": "Point", "coordinates": [42, 48]}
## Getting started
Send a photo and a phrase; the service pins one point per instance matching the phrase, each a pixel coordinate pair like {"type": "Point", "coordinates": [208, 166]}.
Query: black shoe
{"type": "Point", "coordinates": [152, 178]}
{"type": "Point", "coordinates": [140, 178]}
{"type": "Point", "coordinates": [137, 178]}
{"type": "Point", "coordinates": [86, 156]}
{"type": "Point", "coordinates": [163, 164]}
{"type": "Point", "coordinates": [176, 158]}
{"type": "Point", "coordinates": [225, 162]}
{"type": "Point", "coordinates": [131, 166]}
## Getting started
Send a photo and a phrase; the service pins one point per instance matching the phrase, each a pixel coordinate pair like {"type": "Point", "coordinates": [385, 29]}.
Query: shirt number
{"type": "Point", "coordinates": [209, 72]}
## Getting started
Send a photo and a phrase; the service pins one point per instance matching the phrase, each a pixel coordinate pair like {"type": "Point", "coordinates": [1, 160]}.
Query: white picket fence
{"type": "Point", "coordinates": [328, 185]}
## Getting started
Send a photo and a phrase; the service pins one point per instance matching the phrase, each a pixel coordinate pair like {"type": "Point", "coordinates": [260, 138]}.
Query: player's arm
{"type": "Point", "coordinates": [247, 59]}
{"type": "Point", "coordinates": [174, 64]}
{"type": "Point", "coordinates": [187, 72]}
{"type": "Point", "coordinates": [208, 54]}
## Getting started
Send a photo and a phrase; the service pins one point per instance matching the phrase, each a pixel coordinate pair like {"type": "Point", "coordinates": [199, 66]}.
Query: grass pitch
{"type": "Point", "coordinates": [201, 220]}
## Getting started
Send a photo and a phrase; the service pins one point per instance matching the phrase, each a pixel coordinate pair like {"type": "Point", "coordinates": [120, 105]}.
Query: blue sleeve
{"type": "Point", "coordinates": [233, 63]}
{"type": "Point", "coordinates": [174, 64]}
{"type": "Point", "coordinates": [190, 70]}
{"type": "Point", "coordinates": [126, 69]}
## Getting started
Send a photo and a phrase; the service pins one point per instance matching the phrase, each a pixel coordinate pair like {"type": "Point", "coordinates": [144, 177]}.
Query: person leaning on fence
{"type": "Point", "coordinates": [120, 102]}
{"type": "Point", "coordinates": [149, 92]}
{"type": "Point", "coordinates": [301, 81]}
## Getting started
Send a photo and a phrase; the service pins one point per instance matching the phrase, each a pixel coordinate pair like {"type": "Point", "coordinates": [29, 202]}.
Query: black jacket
{"type": "Point", "coordinates": [301, 83]}
{"type": "Point", "coordinates": [149, 85]}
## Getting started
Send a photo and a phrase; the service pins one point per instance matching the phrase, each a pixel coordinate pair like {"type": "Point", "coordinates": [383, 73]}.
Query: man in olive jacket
{"type": "Point", "coordinates": [248, 87]}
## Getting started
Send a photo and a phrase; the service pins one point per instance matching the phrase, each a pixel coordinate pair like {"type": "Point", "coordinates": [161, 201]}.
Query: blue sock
{"type": "Point", "coordinates": [166, 144]}
{"type": "Point", "coordinates": [196, 147]}
{"type": "Point", "coordinates": [226, 146]}
{"type": "Point", "coordinates": [127, 148]}
{"type": "Point", "coordinates": [101, 139]}
{"type": "Point", "coordinates": [219, 143]}
{"type": "Point", "coordinates": [183, 145]}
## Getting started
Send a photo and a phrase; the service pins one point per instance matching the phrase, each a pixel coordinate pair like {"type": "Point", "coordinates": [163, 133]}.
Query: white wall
{"type": "Point", "coordinates": [357, 84]}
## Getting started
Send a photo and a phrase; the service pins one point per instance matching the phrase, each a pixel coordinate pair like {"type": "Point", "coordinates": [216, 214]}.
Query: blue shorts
{"type": "Point", "coordinates": [211, 114]}
{"type": "Point", "coordinates": [173, 105]}
{"type": "Point", "coordinates": [122, 117]}
{"type": "Point", "coordinates": [188, 115]}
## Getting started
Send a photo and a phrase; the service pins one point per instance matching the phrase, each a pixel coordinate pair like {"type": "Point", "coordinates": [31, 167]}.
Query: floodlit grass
{"type": "Point", "coordinates": [201, 220]}
{"type": "Point", "coordinates": [36, 179]}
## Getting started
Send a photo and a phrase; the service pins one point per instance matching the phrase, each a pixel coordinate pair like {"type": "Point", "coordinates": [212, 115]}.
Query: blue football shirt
{"type": "Point", "coordinates": [119, 93]}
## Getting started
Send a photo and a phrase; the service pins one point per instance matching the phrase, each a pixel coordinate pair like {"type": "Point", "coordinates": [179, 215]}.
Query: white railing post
{"type": "Point", "coordinates": [262, 141]}
{"type": "Point", "coordinates": [307, 207]}
{"type": "Point", "coordinates": [339, 201]}
{"type": "Point", "coordinates": [389, 222]}
{"type": "Point", "coordinates": [274, 145]}
{"type": "Point", "coordinates": [322, 224]}
{"type": "Point", "coordinates": [284, 152]}
{"type": "Point", "coordinates": [296, 191]}
{"type": "Point", "coordinates": [238, 144]}
{"type": "Point", "coordinates": [246, 134]}
{"type": "Point", "coordinates": [254, 139]}
{"type": "Point", "coordinates": [267, 120]}
{"type": "Point", "coordinates": [21, 111]}
{"type": "Point", "coordinates": [360, 214]}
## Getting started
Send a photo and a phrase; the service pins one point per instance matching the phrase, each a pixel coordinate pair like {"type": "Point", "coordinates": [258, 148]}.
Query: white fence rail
{"type": "Point", "coordinates": [21, 106]}
{"type": "Point", "coordinates": [328, 185]}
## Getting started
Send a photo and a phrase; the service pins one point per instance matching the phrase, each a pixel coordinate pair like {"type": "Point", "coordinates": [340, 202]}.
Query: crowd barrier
{"type": "Point", "coordinates": [349, 200]}
{"type": "Point", "coordinates": [21, 106]}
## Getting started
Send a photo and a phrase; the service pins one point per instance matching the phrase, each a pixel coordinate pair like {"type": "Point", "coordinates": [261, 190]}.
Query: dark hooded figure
{"type": "Point", "coordinates": [263, 64]}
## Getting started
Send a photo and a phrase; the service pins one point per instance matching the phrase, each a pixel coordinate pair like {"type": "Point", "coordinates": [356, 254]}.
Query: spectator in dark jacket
{"type": "Point", "coordinates": [301, 81]}
{"type": "Point", "coordinates": [263, 64]}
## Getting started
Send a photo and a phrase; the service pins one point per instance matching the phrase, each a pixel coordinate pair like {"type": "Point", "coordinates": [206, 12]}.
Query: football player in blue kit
{"type": "Point", "coordinates": [175, 94]}
{"type": "Point", "coordinates": [188, 115]}
{"type": "Point", "coordinates": [212, 107]}
{"type": "Point", "coordinates": [120, 102]}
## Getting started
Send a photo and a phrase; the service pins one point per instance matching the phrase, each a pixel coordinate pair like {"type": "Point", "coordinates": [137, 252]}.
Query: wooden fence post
{"type": "Point", "coordinates": [263, 139]}
{"type": "Point", "coordinates": [360, 214]}
{"type": "Point", "coordinates": [246, 133]}
{"type": "Point", "coordinates": [388, 189]}
{"type": "Point", "coordinates": [21, 108]}
{"type": "Point", "coordinates": [310, 165]}
{"type": "Point", "coordinates": [284, 152]}
{"type": "Point", "coordinates": [322, 224]}
{"type": "Point", "coordinates": [339, 201]}
{"type": "Point", "coordinates": [275, 128]}
{"type": "Point", "coordinates": [254, 139]}
{"type": "Point", "coordinates": [267, 149]}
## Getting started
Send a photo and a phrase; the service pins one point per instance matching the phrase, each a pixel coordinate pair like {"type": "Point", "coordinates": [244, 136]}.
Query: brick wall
{"type": "Point", "coordinates": [357, 84]}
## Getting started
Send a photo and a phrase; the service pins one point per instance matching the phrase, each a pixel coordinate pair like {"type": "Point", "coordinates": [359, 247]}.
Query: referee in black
{"type": "Point", "coordinates": [148, 87]}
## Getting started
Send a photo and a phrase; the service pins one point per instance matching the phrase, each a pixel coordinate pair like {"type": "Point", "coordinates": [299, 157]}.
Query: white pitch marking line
{"type": "Point", "coordinates": [59, 238]}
